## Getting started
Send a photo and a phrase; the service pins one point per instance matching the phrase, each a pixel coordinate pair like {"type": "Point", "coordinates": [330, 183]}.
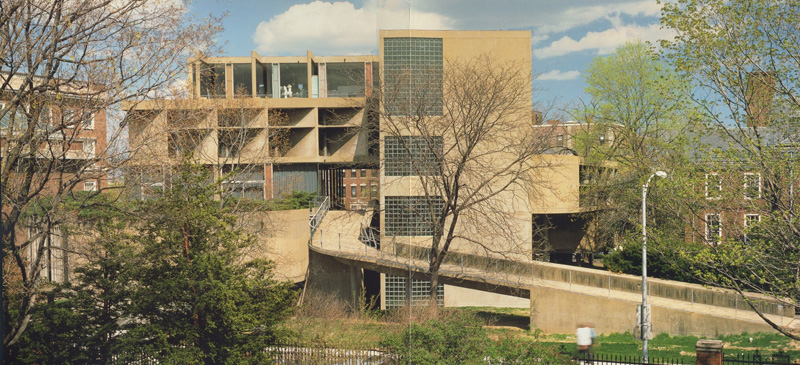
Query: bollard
{"type": "Point", "coordinates": [709, 352]}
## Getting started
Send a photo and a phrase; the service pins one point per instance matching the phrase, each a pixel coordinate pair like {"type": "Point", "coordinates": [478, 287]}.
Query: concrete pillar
{"type": "Point", "coordinates": [709, 352]}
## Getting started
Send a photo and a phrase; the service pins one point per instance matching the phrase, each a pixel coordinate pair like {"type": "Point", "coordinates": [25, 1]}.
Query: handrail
{"type": "Point", "coordinates": [316, 219]}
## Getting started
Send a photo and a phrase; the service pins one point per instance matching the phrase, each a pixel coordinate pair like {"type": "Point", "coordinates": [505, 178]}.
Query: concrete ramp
{"type": "Point", "coordinates": [561, 295]}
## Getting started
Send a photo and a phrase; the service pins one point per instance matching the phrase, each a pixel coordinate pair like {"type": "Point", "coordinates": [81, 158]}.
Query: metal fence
{"type": "Point", "coordinates": [603, 359]}
{"type": "Point", "coordinates": [310, 355]}
{"type": "Point", "coordinates": [778, 358]}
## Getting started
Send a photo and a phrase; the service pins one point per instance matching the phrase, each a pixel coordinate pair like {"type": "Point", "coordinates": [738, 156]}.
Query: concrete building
{"type": "Point", "coordinates": [270, 125]}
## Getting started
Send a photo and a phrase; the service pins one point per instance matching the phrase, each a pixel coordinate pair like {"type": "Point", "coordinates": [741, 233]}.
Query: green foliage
{"type": "Point", "coordinates": [661, 263]}
{"type": "Point", "coordinates": [295, 200]}
{"type": "Point", "coordinates": [164, 281]}
{"type": "Point", "coordinates": [643, 109]}
{"type": "Point", "coordinates": [459, 338]}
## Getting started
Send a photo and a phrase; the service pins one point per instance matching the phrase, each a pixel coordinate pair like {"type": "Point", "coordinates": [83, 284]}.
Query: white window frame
{"type": "Point", "coordinates": [718, 181]}
{"type": "Point", "coordinates": [90, 185]}
{"type": "Point", "coordinates": [745, 175]}
{"type": "Point", "coordinates": [88, 148]}
{"type": "Point", "coordinates": [353, 189]}
{"type": "Point", "coordinates": [745, 222]}
{"type": "Point", "coordinates": [708, 229]}
{"type": "Point", "coordinates": [89, 122]}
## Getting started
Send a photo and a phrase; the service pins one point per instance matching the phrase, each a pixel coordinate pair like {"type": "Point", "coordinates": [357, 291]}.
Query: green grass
{"type": "Point", "coordinates": [367, 331]}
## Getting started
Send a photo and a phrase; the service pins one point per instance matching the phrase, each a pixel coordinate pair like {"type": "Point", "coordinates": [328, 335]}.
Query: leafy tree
{"type": "Point", "coordinates": [167, 282]}
{"type": "Point", "coordinates": [635, 123]}
{"type": "Point", "coordinates": [742, 57]}
{"type": "Point", "coordinates": [194, 300]}
{"type": "Point", "coordinates": [66, 66]}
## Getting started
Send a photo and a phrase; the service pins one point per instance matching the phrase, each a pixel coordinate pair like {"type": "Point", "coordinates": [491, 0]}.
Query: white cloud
{"type": "Point", "coordinates": [576, 16]}
{"type": "Point", "coordinates": [559, 75]}
{"type": "Point", "coordinates": [603, 42]}
{"type": "Point", "coordinates": [338, 28]}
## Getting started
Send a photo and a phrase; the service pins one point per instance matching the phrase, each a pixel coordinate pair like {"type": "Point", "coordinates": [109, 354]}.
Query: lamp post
{"type": "Point", "coordinates": [643, 315]}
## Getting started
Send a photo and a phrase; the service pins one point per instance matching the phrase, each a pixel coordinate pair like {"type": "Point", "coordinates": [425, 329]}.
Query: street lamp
{"type": "Point", "coordinates": [644, 313]}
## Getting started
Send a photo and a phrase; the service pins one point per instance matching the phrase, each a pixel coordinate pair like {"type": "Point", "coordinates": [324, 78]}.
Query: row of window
{"type": "Point", "coordinates": [372, 192]}
{"type": "Point", "coordinates": [354, 173]}
{"type": "Point", "coordinates": [289, 80]}
{"type": "Point", "coordinates": [72, 117]}
{"type": "Point", "coordinates": [713, 226]}
{"type": "Point", "coordinates": [751, 184]}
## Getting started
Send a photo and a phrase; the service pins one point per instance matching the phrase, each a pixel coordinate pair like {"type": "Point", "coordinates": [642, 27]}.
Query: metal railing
{"type": "Point", "coordinates": [316, 219]}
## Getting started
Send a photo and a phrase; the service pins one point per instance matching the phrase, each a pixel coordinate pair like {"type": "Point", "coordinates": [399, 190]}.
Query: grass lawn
{"type": "Point", "coordinates": [366, 331]}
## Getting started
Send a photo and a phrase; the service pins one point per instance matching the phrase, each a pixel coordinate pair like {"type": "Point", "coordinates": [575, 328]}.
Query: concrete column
{"type": "Point", "coordinates": [709, 352]}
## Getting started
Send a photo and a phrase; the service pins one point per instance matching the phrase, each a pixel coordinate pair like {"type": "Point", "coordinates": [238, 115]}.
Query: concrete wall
{"type": "Point", "coordinates": [328, 276]}
{"type": "Point", "coordinates": [554, 310]}
{"type": "Point", "coordinates": [282, 236]}
{"type": "Point", "coordinates": [455, 296]}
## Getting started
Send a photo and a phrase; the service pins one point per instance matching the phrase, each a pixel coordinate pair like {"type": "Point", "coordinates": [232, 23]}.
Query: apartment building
{"type": "Point", "coordinates": [51, 145]}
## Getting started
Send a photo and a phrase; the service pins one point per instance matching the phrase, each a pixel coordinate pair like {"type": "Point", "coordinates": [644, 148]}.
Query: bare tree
{"type": "Point", "coordinates": [459, 141]}
{"type": "Point", "coordinates": [65, 68]}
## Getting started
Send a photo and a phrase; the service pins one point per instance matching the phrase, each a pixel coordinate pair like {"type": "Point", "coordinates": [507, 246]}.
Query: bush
{"type": "Point", "coordinates": [295, 200]}
{"type": "Point", "coordinates": [662, 264]}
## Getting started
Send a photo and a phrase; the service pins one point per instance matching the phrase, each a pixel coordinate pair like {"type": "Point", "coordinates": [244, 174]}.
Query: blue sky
{"type": "Point", "coordinates": [566, 34]}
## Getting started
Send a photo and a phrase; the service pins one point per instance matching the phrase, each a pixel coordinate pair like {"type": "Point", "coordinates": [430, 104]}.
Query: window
{"type": "Point", "coordinates": [752, 185]}
{"type": "Point", "coordinates": [396, 291]}
{"type": "Point", "coordinates": [345, 79]}
{"type": "Point", "coordinates": [713, 186]}
{"type": "Point", "coordinates": [293, 80]}
{"type": "Point", "coordinates": [88, 148]}
{"type": "Point", "coordinates": [242, 79]}
{"type": "Point", "coordinates": [364, 191]}
{"type": "Point", "coordinates": [47, 251]}
{"type": "Point", "coordinates": [374, 172]}
{"type": "Point", "coordinates": [244, 181]}
{"type": "Point", "coordinates": [90, 185]}
{"type": "Point", "coordinates": [374, 191]}
{"type": "Point", "coordinates": [212, 81]}
{"type": "Point", "coordinates": [353, 174]}
{"type": "Point", "coordinates": [411, 215]}
{"type": "Point", "coordinates": [363, 172]}
{"type": "Point", "coordinates": [560, 140]}
{"type": "Point", "coordinates": [413, 74]}
{"type": "Point", "coordinates": [713, 228]}
{"type": "Point", "coordinates": [750, 221]}
{"type": "Point", "coordinates": [413, 155]}
{"type": "Point", "coordinates": [353, 191]}
{"type": "Point", "coordinates": [88, 122]}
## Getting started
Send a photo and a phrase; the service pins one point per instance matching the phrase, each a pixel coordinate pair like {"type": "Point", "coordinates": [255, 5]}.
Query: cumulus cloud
{"type": "Point", "coordinates": [559, 75]}
{"type": "Point", "coordinates": [603, 42]}
{"type": "Point", "coordinates": [581, 15]}
{"type": "Point", "coordinates": [338, 28]}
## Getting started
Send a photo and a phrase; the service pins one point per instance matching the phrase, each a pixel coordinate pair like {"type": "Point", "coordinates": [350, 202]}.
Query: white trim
{"type": "Point", "coordinates": [707, 229]}
{"type": "Point", "coordinates": [745, 175]}
{"type": "Point", "coordinates": [719, 186]}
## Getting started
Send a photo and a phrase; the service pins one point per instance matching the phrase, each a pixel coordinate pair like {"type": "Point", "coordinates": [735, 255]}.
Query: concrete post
{"type": "Point", "coordinates": [709, 352]}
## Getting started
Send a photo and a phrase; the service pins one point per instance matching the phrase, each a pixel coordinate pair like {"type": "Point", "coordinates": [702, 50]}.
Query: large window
{"type": "Point", "coordinates": [411, 215]}
{"type": "Point", "coordinates": [244, 181]}
{"type": "Point", "coordinates": [413, 156]}
{"type": "Point", "coordinates": [750, 221]}
{"type": "Point", "coordinates": [242, 79]}
{"type": "Point", "coordinates": [713, 228]}
{"type": "Point", "coordinates": [345, 79]}
{"type": "Point", "coordinates": [752, 185]}
{"type": "Point", "coordinates": [212, 81]}
{"type": "Point", "coordinates": [294, 80]}
{"type": "Point", "coordinates": [264, 79]}
{"type": "Point", "coordinates": [413, 72]}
